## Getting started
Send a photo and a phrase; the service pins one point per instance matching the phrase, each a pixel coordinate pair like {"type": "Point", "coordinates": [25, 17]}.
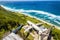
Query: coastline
{"type": "Point", "coordinates": [30, 16]}
{"type": "Point", "coordinates": [42, 20]}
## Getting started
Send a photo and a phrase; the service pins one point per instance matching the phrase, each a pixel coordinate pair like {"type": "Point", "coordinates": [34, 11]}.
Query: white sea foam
{"type": "Point", "coordinates": [49, 15]}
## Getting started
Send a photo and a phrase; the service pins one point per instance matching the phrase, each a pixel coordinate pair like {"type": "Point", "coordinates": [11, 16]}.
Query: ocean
{"type": "Point", "coordinates": [46, 10]}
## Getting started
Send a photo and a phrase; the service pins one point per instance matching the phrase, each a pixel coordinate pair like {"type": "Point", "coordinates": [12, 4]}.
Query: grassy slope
{"type": "Point", "coordinates": [9, 20]}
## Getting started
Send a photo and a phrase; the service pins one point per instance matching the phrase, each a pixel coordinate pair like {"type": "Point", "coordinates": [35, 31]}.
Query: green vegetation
{"type": "Point", "coordinates": [56, 34]}
{"type": "Point", "coordinates": [10, 20]}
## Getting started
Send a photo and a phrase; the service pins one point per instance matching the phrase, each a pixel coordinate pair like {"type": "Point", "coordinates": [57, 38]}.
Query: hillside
{"type": "Point", "coordinates": [9, 20]}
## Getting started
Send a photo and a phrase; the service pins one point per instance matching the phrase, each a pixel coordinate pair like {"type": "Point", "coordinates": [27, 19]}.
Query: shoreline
{"type": "Point", "coordinates": [42, 20]}
{"type": "Point", "coordinates": [31, 16]}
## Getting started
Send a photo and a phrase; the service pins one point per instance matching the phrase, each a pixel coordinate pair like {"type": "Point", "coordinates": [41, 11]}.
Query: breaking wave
{"type": "Point", "coordinates": [49, 17]}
